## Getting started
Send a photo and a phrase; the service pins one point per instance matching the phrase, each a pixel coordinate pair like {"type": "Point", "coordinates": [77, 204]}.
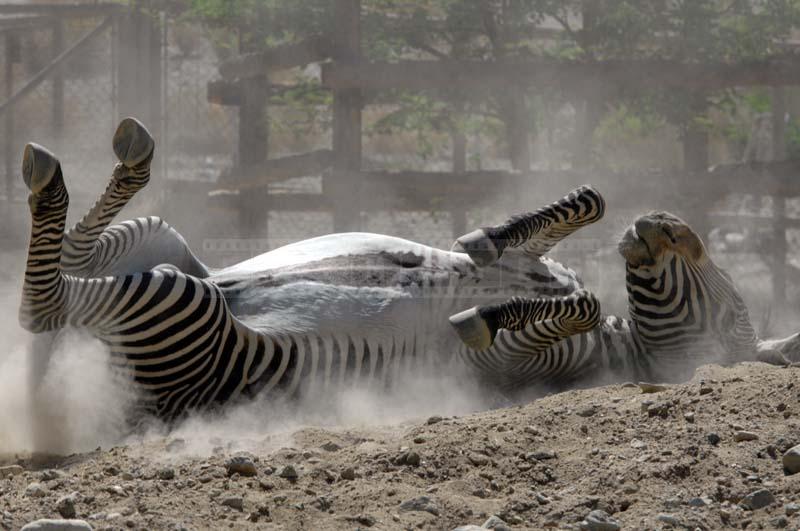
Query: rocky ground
{"type": "Point", "coordinates": [704, 455]}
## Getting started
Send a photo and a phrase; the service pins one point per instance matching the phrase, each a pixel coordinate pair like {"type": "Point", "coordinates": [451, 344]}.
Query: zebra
{"type": "Point", "coordinates": [320, 312]}
{"type": "Point", "coordinates": [683, 306]}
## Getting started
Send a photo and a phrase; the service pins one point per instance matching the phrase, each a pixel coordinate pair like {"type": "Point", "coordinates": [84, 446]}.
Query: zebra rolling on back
{"type": "Point", "coordinates": [340, 306]}
{"type": "Point", "coordinates": [683, 306]}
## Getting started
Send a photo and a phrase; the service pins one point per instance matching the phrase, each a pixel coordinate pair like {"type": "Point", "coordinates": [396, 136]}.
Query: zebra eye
{"type": "Point", "coordinates": [668, 232]}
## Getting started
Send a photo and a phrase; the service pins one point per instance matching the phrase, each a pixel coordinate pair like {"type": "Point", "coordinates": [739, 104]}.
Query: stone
{"type": "Point", "coordinates": [48, 524]}
{"type": "Point", "coordinates": [288, 472]}
{"type": "Point", "coordinates": [10, 471]}
{"type": "Point", "coordinates": [469, 528]}
{"type": "Point", "coordinates": [35, 490]}
{"type": "Point", "coordinates": [435, 419]}
{"type": "Point", "coordinates": [364, 519]}
{"type": "Point", "coordinates": [234, 502]}
{"type": "Point", "coordinates": [477, 459]}
{"type": "Point", "coordinates": [779, 522]}
{"type": "Point", "coordinates": [420, 504]}
{"type": "Point", "coordinates": [66, 505]}
{"type": "Point", "coordinates": [598, 520]}
{"type": "Point", "coordinates": [496, 523]}
{"type": "Point", "coordinates": [241, 465]}
{"type": "Point", "coordinates": [791, 460]}
{"type": "Point", "coordinates": [542, 455]}
{"type": "Point", "coordinates": [669, 519]}
{"type": "Point", "coordinates": [349, 473]}
{"type": "Point", "coordinates": [757, 499]}
{"type": "Point", "coordinates": [791, 508]}
{"type": "Point", "coordinates": [166, 473]}
{"type": "Point", "coordinates": [659, 409]}
{"type": "Point", "coordinates": [698, 502]}
{"type": "Point", "coordinates": [648, 388]}
{"type": "Point", "coordinates": [713, 438]}
{"type": "Point", "coordinates": [331, 446]}
{"type": "Point", "coordinates": [742, 436]}
{"type": "Point", "coordinates": [588, 411]}
{"type": "Point", "coordinates": [689, 417]}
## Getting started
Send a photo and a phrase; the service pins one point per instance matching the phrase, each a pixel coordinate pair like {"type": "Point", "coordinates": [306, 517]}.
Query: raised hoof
{"type": "Point", "coordinates": [479, 247]}
{"type": "Point", "coordinates": [39, 166]}
{"type": "Point", "coordinates": [473, 330]}
{"type": "Point", "coordinates": [132, 142]}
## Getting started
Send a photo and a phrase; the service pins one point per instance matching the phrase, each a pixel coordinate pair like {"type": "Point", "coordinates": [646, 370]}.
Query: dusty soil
{"type": "Point", "coordinates": [548, 463]}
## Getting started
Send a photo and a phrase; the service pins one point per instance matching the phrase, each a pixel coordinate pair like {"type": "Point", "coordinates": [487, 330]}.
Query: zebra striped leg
{"type": "Point", "coordinates": [547, 321]}
{"type": "Point", "coordinates": [537, 232]}
{"type": "Point", "coordinates": [92, 248]}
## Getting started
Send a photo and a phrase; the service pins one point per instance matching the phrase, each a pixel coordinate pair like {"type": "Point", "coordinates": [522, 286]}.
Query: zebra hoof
{"type": "Point", "coordinates": [473, 330]}
{"type": "Point", "coordinates": [39, 167]}
{"type": "Point", "coordinates": [132, 142]}
{"type": "Point", "coordinates": [479, 247]}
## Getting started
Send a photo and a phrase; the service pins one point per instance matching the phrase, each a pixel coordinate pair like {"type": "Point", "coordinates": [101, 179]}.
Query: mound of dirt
{"type": "Point", "coordinates": [703, 455]}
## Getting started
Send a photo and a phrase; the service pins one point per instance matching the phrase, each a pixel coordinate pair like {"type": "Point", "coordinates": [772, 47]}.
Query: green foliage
{"type": "Point", "coordinates": [490, 30]}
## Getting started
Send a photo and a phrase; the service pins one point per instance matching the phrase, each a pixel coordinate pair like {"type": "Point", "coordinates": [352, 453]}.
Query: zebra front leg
{"type": "Point", "coordinates": [92, 248]}
{"type": "Point", "coordinates": [537, 232]}
{"type": "Point", "coordinates": [545, 320]}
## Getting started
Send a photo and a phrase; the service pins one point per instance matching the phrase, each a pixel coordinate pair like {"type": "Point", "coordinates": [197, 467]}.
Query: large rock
{"type": "Point", "coordinates": [47, 524]}
{"type": "Point", "coordinates": [421, 504]}
{"type": "Point", "coordinates": [600, 521]}
{"type": "Point", "coordinates": [757, 499]}
{"type": "Point", "coordinates": [791, 460]}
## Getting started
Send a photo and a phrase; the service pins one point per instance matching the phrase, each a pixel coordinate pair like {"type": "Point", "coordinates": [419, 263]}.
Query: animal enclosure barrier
{"type": "Point", "coordinates": [348, 190]}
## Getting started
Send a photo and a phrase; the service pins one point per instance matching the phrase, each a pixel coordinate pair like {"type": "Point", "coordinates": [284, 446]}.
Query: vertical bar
{"type": "Point", "coordinates": [164, 95]}
{"type": "Point", "coordinates": [457, 211]}
{"type": "Point", "coordinates": [10, 58]}
{"type": "Point", "coordinates": [57, 46]}
{"type": "Point", "coordinates": [778, 201]}
{"type": "Point", "coordinates": [695, 163]}
{"type": "Point", "coordinates": [347, 104]}
{"type": "Point", "coordinates": [115, 117]}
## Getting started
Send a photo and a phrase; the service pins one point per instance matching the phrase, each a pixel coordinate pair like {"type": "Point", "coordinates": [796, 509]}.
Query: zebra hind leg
{"type": "Point", "coordinates": [92, 248]}
{"type": "Point", "coordinates": [546, 321]}
{"type": "Point", "coordinates": [537, 232]}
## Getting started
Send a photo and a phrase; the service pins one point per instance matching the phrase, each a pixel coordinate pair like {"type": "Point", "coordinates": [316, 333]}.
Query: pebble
{"type": "Point", "coordinates": [364, 519]}
{"type": "Point", "coordinates": [234, 502]}
{"type": "Point", "coordinates": [779, 522]}
{"type": "Point", "coordinates": [35, 490]}
{"type": "Point", "coordinates": [698, 502]}
{"type": "Point", "coordinates": [116, 490]}
{"type": "Point", "coordinates": [496, 523]}
{"type": "Point", "coordinates": [477, 459]}
{"type": "Point", "coordinates": [791, 460]}
{"type": "Point", "coordinates": [704, 390]}
{"type": "Point", "coordinates": [598, 520]}
{"type": "Point", "coordinates": [243, 466]}
{"type": "Point", "coordinates": [435, 419]}
{"type": "Point", "coordinates": [469, 528]}
{"type": "Point", "coordinates": [349, 473]}
{"type": "Point", "coordinates": [638, 443]}
{"type": "Point", "coordinates": [588, 411]}
{"type": "Point", "coordinates": [47, 524]}
{"type": "Point", "coordinates": [288, 472]}
{"type": "Point", "coordinates": [541, 455]}
{"type": "Point", "coordinates": [660, 409]}
{"type": "Point", "coordinates": [10, 471]}
{"type": "Point", "coordinates": [408, 458]}
{"type": "Point", "coordinates": [757, 500]}
{"type": "Point", "coordinates": [791, 508]}
{"type": "Point", "coordinates": [741, 436]}
{"type": "Point", "coordinates": [651, 387]}
{"type": "Point", "coordinates": [669, 519]}
{"type": "Point", "coordinates": [420, 504]}
{"type": "Point", "coordinates": [166, 473]}
{"type": "Point", "coordinates": [713, 438]}
{"type": "Point", "coordinates": [331, 446]}
{"type": "Point", "coordinates": [66, 505]}
{"type": "Point", "coordinates": [689, 417]}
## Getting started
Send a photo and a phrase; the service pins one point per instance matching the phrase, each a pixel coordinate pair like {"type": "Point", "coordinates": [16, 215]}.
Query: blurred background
{"type": "Point", "coordinates": [279, 120]}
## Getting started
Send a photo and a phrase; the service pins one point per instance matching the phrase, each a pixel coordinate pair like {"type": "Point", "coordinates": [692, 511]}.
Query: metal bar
{"type": "Point", "coordinates": [11, 46]}
{"type": "Point", "coordinates": [56, 46]}
{"type": "Point", "coordinates": [36, 80]}
{"type": "Point", "coordinates": [62, 9]}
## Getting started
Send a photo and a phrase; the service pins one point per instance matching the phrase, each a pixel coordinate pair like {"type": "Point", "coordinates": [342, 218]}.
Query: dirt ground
{"type": "Point", "coordinates": [662, 460]}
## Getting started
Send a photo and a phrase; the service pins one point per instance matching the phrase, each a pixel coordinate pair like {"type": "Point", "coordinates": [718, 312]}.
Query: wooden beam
{"type": "Point", "coordinates": [279, 169]}
{"type": "Point", "coordinates": [574, 76]}
{"type": "Point", "coordinates": [68, 9]}
{"type": "Point", "coordinates": [311, 50]}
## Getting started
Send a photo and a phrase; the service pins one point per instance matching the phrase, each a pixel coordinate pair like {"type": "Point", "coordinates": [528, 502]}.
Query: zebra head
{"type": "Point", "coordinates": [679, 300]}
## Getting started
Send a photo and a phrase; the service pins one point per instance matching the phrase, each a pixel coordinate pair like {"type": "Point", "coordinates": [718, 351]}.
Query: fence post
{"type": "Point", "coordinates": [695, 162]}
{"type": "Point", "coordinates": [12, 56]}
{"type": "Point", "coordinates": [347, 103]}
{"type": "Point", "coordinates": [253, 152]}
{"type": "Point", "coordinates": [457, 211]}
{"type": "Point", "coordinates": [779, 202]}
{"type": "Point", "coordinates": [56, 47]}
